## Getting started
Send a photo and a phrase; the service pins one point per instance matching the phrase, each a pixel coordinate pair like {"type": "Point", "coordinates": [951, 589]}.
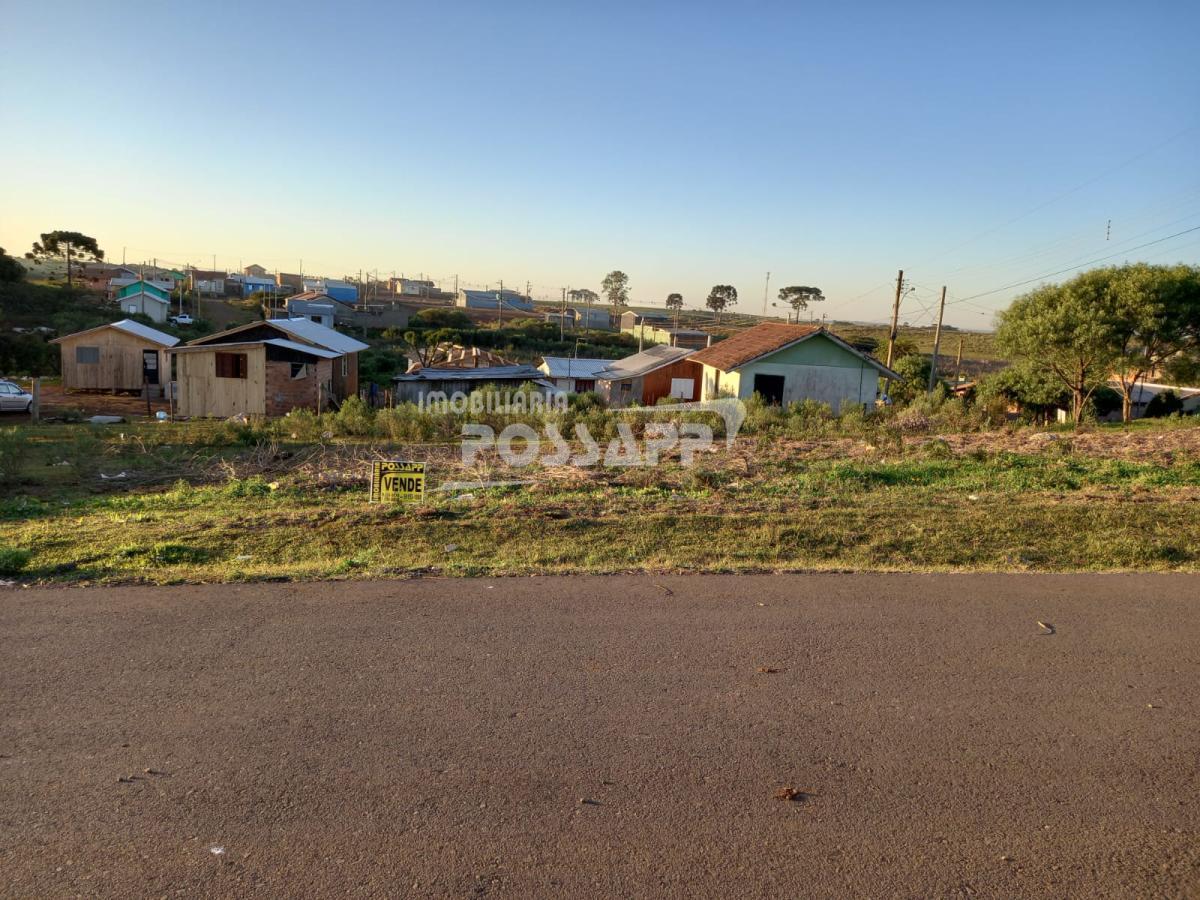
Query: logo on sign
{"type": "Point", "coordinates": [392, 482]}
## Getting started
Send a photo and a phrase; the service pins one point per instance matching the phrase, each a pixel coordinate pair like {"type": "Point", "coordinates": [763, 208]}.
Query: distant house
{"type": "Point", "coordinates": [573, 375]}
{"type": "Point", "coordinates": [582, 317]}
{"type": "Point", "coordinates": [788, 363]}
{"type": "Point", "coordinates": [118, 282]}
{"type": "Point", "coordinates": [646, 377]}
{"type": "Point", "coordinates": [413, 387]}
{"type": "Point", "coordinates": [631, 319]}
{"type": "Point", "coordinates": [96, 275]}
{"type": "Point", "coordinates": [253, 284]}
{"type": "Point", "coordinates": [657, 328]}
{"type": "Point", "coordinates": [255, 270]}
{"type": "Point", "coordinates": [341, 291]}
{"type": "Point", "coordinates": [343, 371]}
{"type": "Point", "coordinates": [145, 298]}
{"type": "Point", "coordinates": [120, 356]}
{"type": "Point", "coordinates": [509, 301]}
{"type": "Point", "coordinates": [319, 308]}
{"type": "Point", "coordinates": [294, 283]}
{"type": "Point", "coordinates": [209, 283]}
{"type": "Point", "coordinates": [1145, 391]}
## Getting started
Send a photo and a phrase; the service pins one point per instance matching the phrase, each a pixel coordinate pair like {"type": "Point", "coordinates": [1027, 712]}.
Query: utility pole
{"type": "Point", "coordinates": [895, 318]}
{"type": "Point", "coordinates": [562, 316]}
{"type": "Point", "coordinates": [958, 360]}
{"type": "Point", "coordinates": [937, 340]}
{"type": "Point", "coordinates": [766, 290]}
{"type": "Point", "coordinates": [500, 305]}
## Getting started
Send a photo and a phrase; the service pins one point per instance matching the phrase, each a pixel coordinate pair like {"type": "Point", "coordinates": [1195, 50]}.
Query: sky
{"type": "Point", "coordinates": [687, 144]}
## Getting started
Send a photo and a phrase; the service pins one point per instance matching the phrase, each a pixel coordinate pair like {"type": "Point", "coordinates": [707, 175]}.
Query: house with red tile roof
{"type": "Point", "coordinates": [790, 363]}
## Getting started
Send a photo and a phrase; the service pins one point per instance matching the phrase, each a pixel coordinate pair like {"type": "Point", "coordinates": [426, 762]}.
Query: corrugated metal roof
{"type": "Point", "coordinates": [567, 367]}
{"type": "Point", "coordinates": [308, 330]}
{"type": "Point", "coordinates": [308, 349]}
{"type": "Point", "coordinates": [144, 331]}
{"type": "Point", "coordinates": [486, 373]}
{"type": "Point", "coordinates": [641, 363]}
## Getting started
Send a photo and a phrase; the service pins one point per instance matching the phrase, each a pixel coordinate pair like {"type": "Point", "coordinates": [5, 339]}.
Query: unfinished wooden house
{"type": "Point", "coordinates": [119, 356]}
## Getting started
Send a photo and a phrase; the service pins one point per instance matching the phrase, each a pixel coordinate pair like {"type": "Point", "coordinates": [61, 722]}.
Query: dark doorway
{"type": "Point", "coordinates": [770, 388]}
{"type": "Point", "coordinates": [150, 366]}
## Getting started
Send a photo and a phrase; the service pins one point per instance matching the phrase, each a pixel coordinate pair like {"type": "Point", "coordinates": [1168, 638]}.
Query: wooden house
{"type": "Point", "coordinates": [120, 356]}
{"type": "Point", "coordinates": [646, 377]}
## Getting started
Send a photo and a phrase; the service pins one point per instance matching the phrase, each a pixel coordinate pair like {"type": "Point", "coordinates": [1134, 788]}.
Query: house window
{"type": "Point", "coordinates": [87, 356]}
{"type": "Point", "coordinates": [231, 365]}
{"type": "Point", "coordinates": [299, 370]}
{"type": "Point", "coordinates": [626, 387]}
{"type": "Point", "coordinates": [132, 308]}
{"type": "Point", "coordinates": [345, 366]}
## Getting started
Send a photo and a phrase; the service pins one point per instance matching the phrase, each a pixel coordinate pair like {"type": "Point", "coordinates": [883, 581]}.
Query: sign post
{"type": "Point", "coordinates": [393, 481]}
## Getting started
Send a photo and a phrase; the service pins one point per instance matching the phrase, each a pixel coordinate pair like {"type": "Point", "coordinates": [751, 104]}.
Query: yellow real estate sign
{"type": "Point", "coordinates": [393, 481]}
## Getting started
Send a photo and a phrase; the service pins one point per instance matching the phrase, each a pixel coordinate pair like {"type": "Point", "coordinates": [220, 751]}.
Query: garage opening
{"type": "Point", "coordinates": [770, 388]}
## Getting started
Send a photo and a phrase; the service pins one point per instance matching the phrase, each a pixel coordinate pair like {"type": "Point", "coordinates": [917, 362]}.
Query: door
{"type": "Point", "coordinates": [770, 388]}
{"type": "Point", "coordinates": [150, 366]}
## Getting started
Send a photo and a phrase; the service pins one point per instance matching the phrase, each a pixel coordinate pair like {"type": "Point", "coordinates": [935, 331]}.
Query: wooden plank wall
{"type": "Point", "coordinates": [120, 366]}
{"type": "Point", "coordinates": [202, 394]}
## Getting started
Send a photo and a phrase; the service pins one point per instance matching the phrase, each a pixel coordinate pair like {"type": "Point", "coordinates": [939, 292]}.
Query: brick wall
{"type": "Point", "coordinates": [285, 393]}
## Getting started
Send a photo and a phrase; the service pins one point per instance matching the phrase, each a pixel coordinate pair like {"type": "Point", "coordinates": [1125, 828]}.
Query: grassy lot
{"type": "Point", "coordinates": [214, 502]}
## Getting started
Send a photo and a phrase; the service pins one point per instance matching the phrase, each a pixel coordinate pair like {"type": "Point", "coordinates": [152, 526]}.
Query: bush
{"type": "Point", "coordinates": [302, 425]}
{"type": "Point", "coordinates": [13, 560]}
{"type": "Point", "coordinates": [354, 418]}
{"type": "Point", "coordinates": [11, 452]}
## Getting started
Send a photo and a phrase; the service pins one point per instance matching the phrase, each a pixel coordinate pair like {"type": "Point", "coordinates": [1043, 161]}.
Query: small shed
{"type": "Point", "coordinates": [646, 377]}
{"type": "Point", "coordinates": [120, 356]}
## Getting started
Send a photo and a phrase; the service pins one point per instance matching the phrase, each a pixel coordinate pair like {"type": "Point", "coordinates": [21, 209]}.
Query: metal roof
{"type": "Point", "coordinates": [568, 367]}
{"type": "Point", "coordinates": [314, 332]}
{"type": "Point", "coordinates": [129, 327]}
{"type": "Point", "coordinates": [484, 373]}
{"type": "Point", "coordinates": [318, 352]}
{"type": "Point", "coordinates": [642, 363]}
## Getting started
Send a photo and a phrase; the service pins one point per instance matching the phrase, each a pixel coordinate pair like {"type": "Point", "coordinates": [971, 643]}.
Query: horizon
{"type": "Point", "coordinates": [963, 146]}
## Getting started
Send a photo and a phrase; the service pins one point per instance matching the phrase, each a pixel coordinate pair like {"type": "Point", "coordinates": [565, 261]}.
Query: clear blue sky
{"type": "Point", "coordinates": [687, 144]}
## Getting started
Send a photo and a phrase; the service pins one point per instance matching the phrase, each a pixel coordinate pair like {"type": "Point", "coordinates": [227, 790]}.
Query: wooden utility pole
{"type": "Point", "coordinates": [895, 318]}
{"type": "Point", "coordinates": [500, 305]}
{"type": "Point", "coordinates": [562, 316]}
{"type": "Point", "coordinates": [766, 290]}
{"type": "Point", "coordinates": [35, 407]}
{"type": "Point", "coordinates": [937, 340]}
{"type": "Point", "coordinates": [958, 360]}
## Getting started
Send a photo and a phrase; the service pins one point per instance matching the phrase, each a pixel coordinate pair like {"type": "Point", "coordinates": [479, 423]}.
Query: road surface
{"type": "Point", "coordinates": [604, 736]}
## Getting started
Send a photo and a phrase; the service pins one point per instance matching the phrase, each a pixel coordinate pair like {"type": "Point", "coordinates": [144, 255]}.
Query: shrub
{"type": "Point", "coordinates": [302, 425]}
{"type": "Point", "coordinates": [13, 560]}
{"type": "Point", "coordinates": [354, 418]}
{"type": "Point", "coordinates": [11, 452]}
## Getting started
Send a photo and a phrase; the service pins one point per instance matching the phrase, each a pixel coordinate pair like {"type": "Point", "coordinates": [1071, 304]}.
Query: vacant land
{"type": "Point", "coordinates": [604, 736]}
{"type": "Point", "coordinates": [222, 501]}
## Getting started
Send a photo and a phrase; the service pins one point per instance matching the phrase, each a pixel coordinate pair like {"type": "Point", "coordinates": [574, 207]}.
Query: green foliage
{"type": "Point", "coordinates": [13, 560]}
{"type": "Point", "coordinates": [354, 418]}
{"type": "Point", "coordinates": [798, 297]}
{"type": "Point", "coordinates": [10, 269]}
{"type": "Point", "coordinates": [720, 298]}
{"type": "Point", "coordinates": [675, 301]}
{"type": "Point", "coordinates": [440, 317]}
{"type": "Point", "coordinates": [12, 452]}
{"type": "Point", "coordinates": [913, 370]}
{"type": "Point", "coordinates": [1163, 404]}
{"type": "Point", "coordinates": [57, 244]}
{"type": "Point", "coordinates": [616, 288]}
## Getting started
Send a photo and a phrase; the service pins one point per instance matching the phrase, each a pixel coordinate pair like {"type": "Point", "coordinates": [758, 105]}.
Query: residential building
{"type": "Point", "coordinates": [572, 374]}
{"type": "Point", "coordinates": [511, 301]}
{"type": "Point", "coordinates": [292, 282]}
{"type": "Point", "coordinates": [145, 298]}
{"type": "Point", "coordinates": [646, 377]}
{"type": "Point", "coordinates": [343, 371]}
{"type": "Point", "coordinates": [208, 283]}
{"type": "Point", "coordinates": [255, 270]}
{"type": "Point", "coordinates": [789, 363]}
{"type": "Point", "coordinates": [319, 308]}
{"type": "Point", "coordinates": [120, 356]}
{"type": "Point", "coordinates": [253, 284]}
{"type": "Point", "coordinates": [1145, 391]}
{"type": "Point", "coordinates": [595, 318]}
{"type": "Point", "coordinates": [415, 387]}
{"type": "Point", "coordinates": [342, 291]}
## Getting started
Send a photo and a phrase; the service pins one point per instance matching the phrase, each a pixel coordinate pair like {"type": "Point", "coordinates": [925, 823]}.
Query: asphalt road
{"type": "Point", "coordinates": [604, 736]}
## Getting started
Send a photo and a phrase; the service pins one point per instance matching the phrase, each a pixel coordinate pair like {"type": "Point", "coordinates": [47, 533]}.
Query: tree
{"type": "Point", "coordinates": [1067, 330]}
{"type": "Point", "coordinates": [675, 302]}
{"type": "Point", "coordinates": [913, 370]}
{"type": "Point", "coordinates": [1155, 317]}
{"type": "Point", "coordinates": [720, 297]}
{"type": "Point", "coordinates": [799, 296]}
{"type": "Point", "coordinates": [1036, 391]}
{"type": "Point", "coordinates": [66, 245]}
{"type": "Point", "coordinates": [10, 269]}
{"type": "Point", "coordinates": [587, 298]}
{"type": "Point", "coordinates": [616, 288]}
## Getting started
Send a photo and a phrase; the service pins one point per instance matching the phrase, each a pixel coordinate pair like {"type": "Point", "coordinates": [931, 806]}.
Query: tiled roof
{"type": "Point", "coordinates": [752, 343]}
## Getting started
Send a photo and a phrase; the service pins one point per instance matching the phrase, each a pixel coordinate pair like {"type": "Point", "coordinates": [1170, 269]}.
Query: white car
{"type": "Point", "coordinates": [183, 319]}
{"type": "Point", "coordinates": [13, 399]}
